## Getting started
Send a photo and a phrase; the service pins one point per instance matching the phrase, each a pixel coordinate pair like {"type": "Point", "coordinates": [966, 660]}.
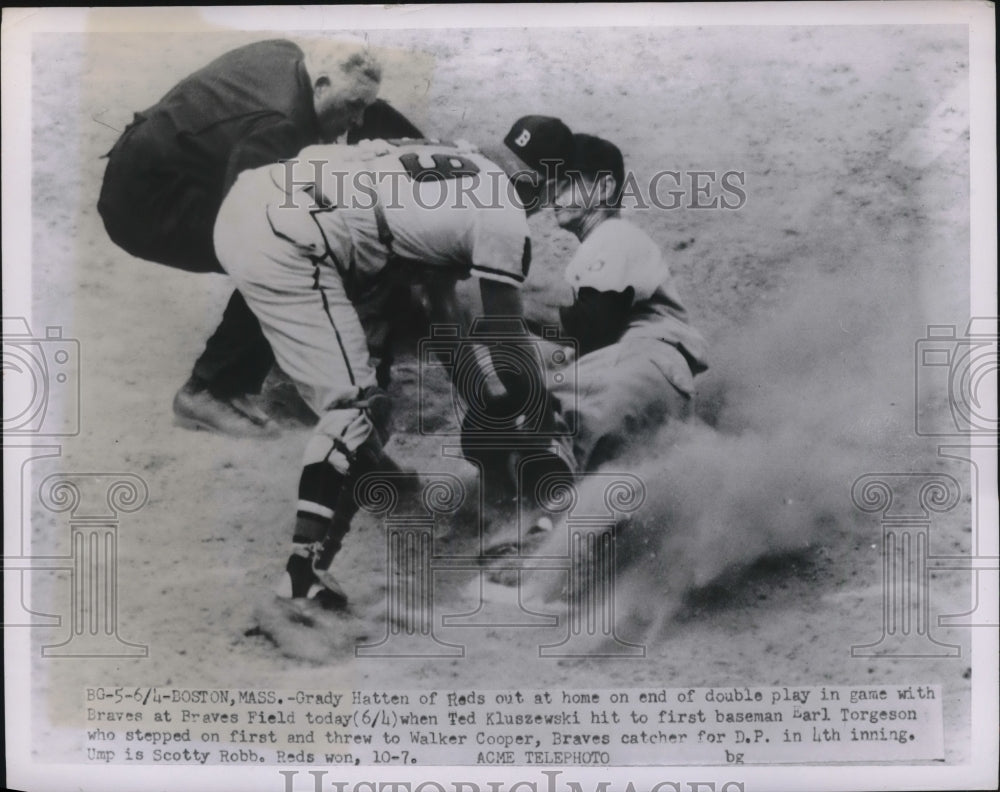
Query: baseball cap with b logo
{"type": "Point", "coordinates": [539, 139]}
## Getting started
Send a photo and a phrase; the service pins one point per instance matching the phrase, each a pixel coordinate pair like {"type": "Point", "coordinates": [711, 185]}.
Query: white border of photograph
{"type": "Point", "coordinates": [26, 765]}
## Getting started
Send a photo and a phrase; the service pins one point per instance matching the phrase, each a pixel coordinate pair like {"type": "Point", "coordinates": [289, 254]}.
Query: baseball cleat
{"type": "Point", "coordinates": [237, 417]}
{"type": "Point", "coordinates": [541, 525]}
{"type": "Point", "coordinates": [304, 580]}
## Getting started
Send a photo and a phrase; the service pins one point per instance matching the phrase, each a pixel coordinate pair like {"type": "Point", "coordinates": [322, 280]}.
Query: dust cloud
{"type": "Point", "coordinates": [816, 391]}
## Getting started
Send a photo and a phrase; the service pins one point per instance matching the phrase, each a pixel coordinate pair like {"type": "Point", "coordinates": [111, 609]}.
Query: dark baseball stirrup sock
{"type": "Point", "coordinates": [308, 529]}
{"type": "Point", "coordinates": [319, 492]}
{"type": "Point", "coordinates": [299, 569]}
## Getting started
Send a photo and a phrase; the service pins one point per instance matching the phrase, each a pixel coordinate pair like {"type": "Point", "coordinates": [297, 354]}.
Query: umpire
{"type": "Point", "coordinates": [168, 173]}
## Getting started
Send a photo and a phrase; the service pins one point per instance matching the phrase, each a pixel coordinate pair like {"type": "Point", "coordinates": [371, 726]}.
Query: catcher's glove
{"type": "Point", "coordinates": [497, 437]}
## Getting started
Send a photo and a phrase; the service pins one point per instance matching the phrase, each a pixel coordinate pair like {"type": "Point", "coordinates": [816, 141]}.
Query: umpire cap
{"type": "Point", "coordinates": [537, 138]}
{"type": "Point", "coordinates": [593, 156]}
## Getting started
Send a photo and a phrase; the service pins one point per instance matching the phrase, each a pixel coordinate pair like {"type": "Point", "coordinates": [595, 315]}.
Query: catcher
{"type": "Point", "coordinates": [637, 354]}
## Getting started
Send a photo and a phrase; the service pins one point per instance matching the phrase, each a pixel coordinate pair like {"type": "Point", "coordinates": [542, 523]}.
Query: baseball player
{"type": "Point", "coordinates": [168, 172]}
{"type": "Point", "coordinates": [638, 354]}
{"type": "Point", "coordinates": [307, 240]}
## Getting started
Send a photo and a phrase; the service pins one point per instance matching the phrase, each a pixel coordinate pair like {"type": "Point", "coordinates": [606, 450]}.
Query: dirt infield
{"type": "Point", "coordinates": [750, 563]}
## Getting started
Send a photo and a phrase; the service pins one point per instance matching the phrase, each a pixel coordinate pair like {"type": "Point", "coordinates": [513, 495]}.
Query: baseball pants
{"type": "Point", "coordinates": [303, 309]}
{"type": "Point", "coordinates": [620, 392]}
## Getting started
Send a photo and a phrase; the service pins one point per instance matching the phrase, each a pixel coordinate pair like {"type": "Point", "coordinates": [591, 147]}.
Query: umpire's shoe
{"type": "Point", "coordinates": [196, 408]}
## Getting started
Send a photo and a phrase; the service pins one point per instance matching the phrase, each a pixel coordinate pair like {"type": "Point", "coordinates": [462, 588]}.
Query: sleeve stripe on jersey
{"type": "Point", "coordinates": [514, 278]}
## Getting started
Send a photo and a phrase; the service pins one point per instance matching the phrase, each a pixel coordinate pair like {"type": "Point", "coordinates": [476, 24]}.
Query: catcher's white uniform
{"type": "Point", "coordinates": [306, 240]}
{"type": "Point", "coordinates": [645, 377]}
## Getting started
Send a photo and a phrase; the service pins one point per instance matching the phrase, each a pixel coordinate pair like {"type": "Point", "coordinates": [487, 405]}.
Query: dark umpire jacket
{"type": "Point", "coordinates": [171, 168]}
